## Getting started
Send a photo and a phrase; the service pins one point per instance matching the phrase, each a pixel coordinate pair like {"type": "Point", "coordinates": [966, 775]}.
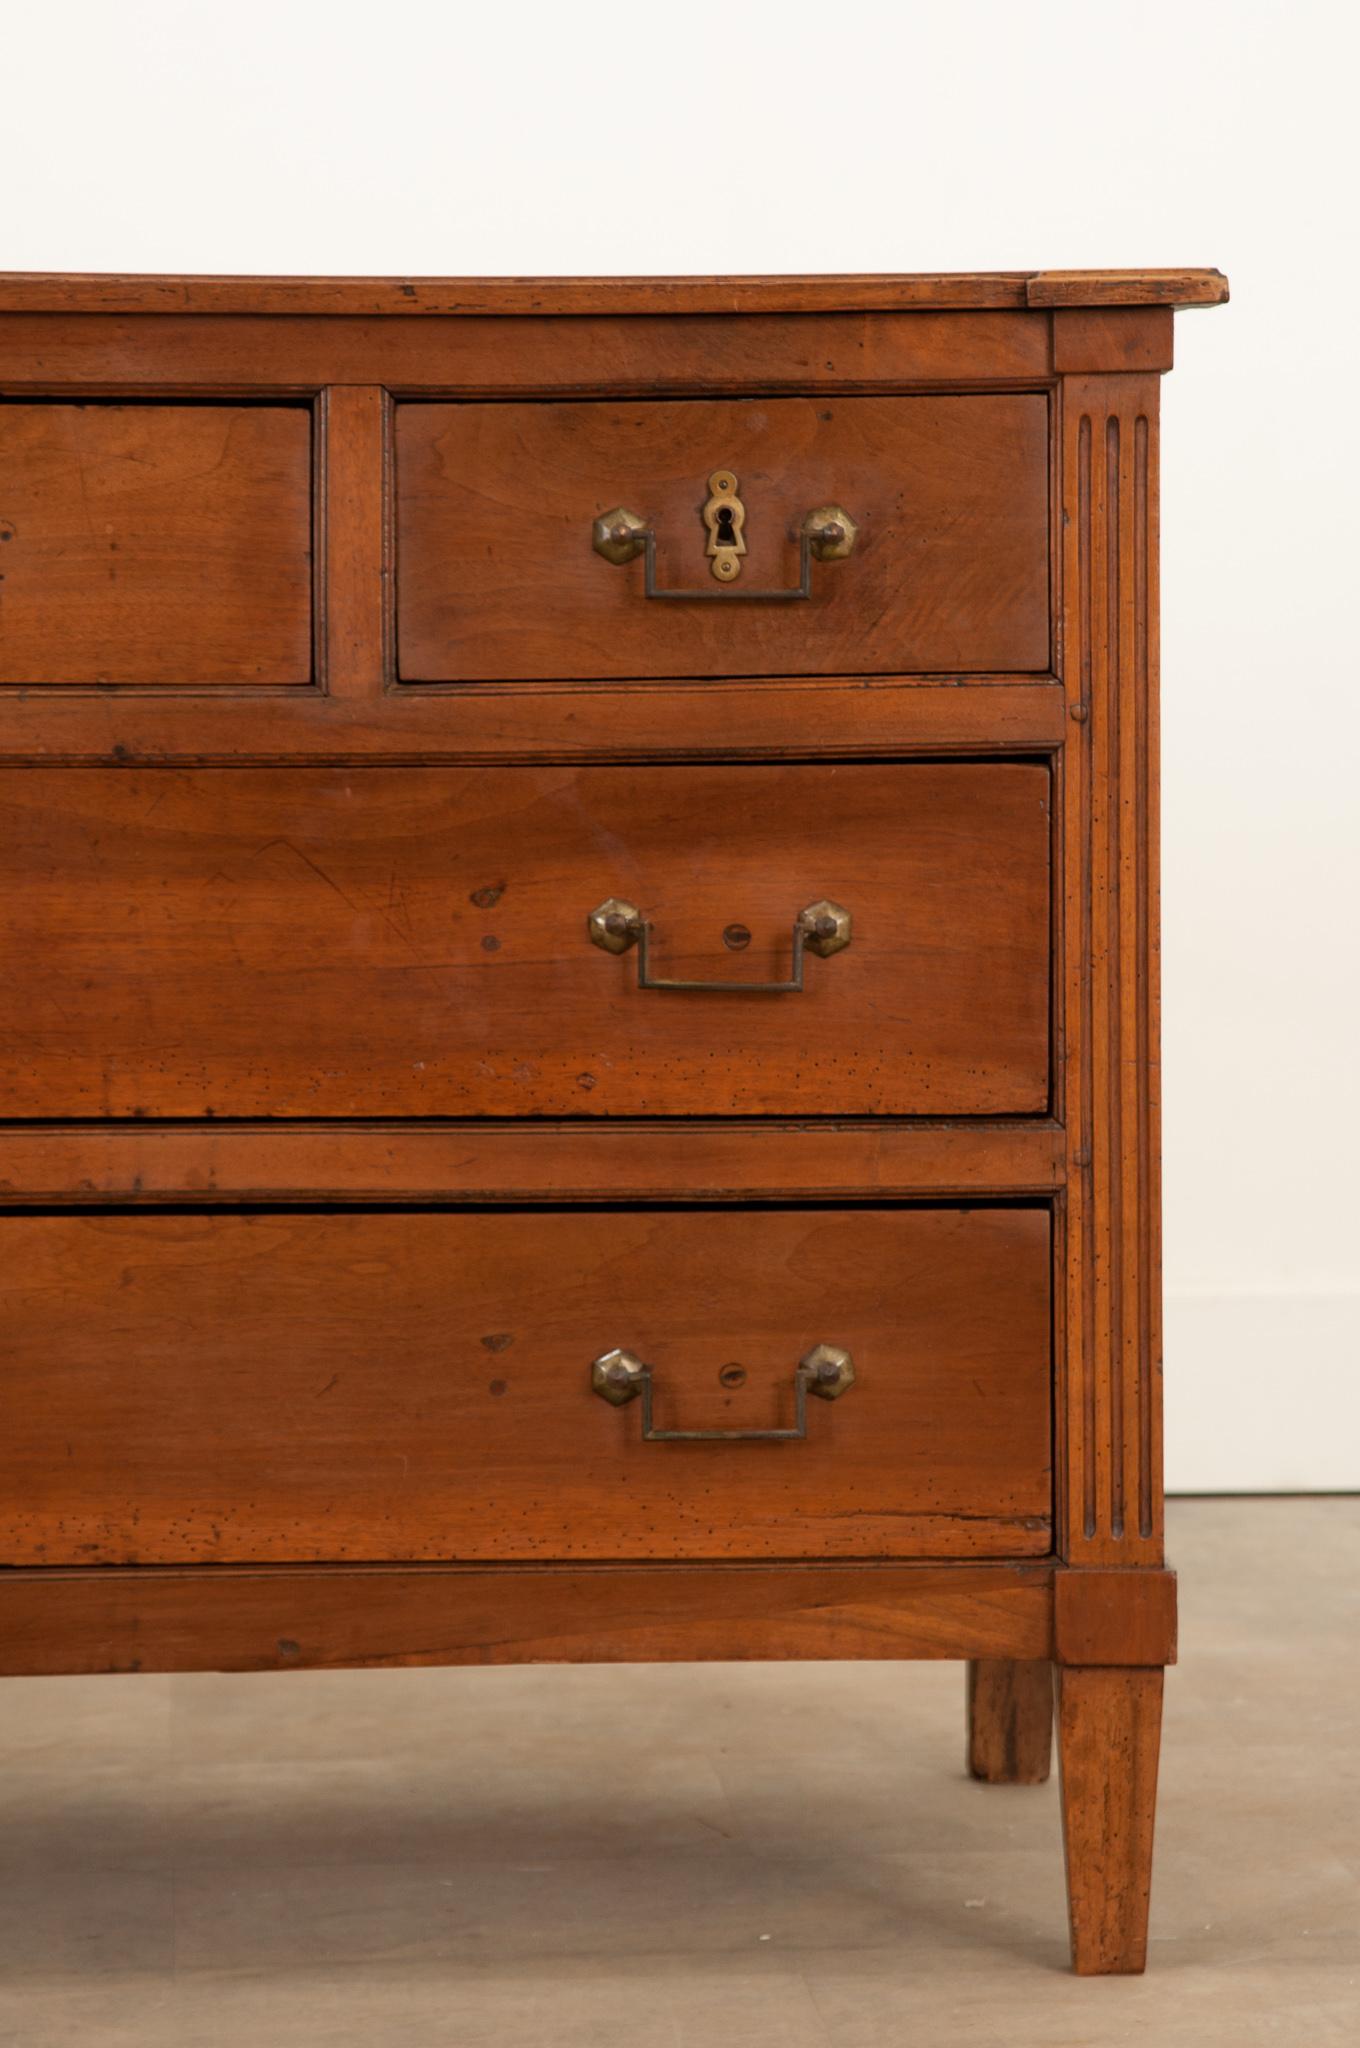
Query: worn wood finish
{"type": "Point", "coordinates": [540, 297]}
{"type": "Point", "coordinates": [833, 717]}
{"type": "Point", "coordinates": [265, 1387]}
{"type": "Point", "coordinates": [756, 353]}
{"type": "Point", "coordinates": [282, 1619]}
{"type": "Point", "coordinates": [1010, 1721]}
{"type": "Point", "coordinates": [312, 942]}
{"type": "Point", "coordinates": [486, 1161]}
{"type": "Point", "coordinates": [1113, 338]}
{"type": "Point", "coordinates": [155, 544]}
{"type": "Point", "coordinates": [1182, 288]}
{"type": "Point", "coordinates": [1115, 1617]}
{"type": "Point", "coordinates": [355, 429]}
{"type": "Point", "coordinates": [497, 579]}
{"type": "Point", "coordinates": [1109, 1734]}
{"type": "Point", "coordinates": [1111, 997]}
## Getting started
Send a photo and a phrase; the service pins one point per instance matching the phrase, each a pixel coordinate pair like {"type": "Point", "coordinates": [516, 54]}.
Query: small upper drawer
{"type": "Point", "coordinates": [948, 570]}
{"type": "Point", "coordinates": [155, 544]}
{"type": "Point", "coordinates": [415, 941]}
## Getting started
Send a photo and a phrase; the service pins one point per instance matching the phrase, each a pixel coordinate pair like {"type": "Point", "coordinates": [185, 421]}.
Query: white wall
{"type": "Point", "coordinates": [778, 135]}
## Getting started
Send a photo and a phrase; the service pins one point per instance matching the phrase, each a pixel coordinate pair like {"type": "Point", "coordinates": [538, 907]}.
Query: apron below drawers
{"type": "Point", "coordinates": [315, 942]}
{"type": "Point", "coordinates": [289, 1386]}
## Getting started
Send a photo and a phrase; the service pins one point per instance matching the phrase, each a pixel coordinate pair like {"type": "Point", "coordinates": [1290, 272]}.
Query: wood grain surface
{"type": "Point", "coordinates": [497, 579]}
{"type": "Point", "coordinates": [1111, 1003]}
{"type": "Point", "coordinates": [287, 1387]}
{"type": "Point", "coordinates": [526, 1160]}
{"type": "Point", "coordinates": [155, 544]}
{"type": "Point", "coordinates": [536, 297]}
{"type": "Point", "coordinates": [1185, 288]}
{"type": "Point", "coordinates": [1010, 1721]}
{"type": "Point", "coordinates": [1109, 1737]}
{"type": "Point", "coordinates": [501, 354]}
{"type": "Point", "coordinates": [1125, 1616]}
{"type": "Point", "coordinates": [378, 942]}
{"type": "Point", "coordinates": [285, 1618]}
{"type": "Point", "coordinates": [354, 485]}
{"type": "Point", "coordinates": [770, 719]}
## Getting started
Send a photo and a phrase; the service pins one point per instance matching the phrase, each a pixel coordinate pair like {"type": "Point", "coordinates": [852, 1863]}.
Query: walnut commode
{"type": "Point", "coordinates": [578, 1045]}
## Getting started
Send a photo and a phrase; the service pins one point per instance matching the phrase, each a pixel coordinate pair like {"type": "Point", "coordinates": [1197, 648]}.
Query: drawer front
{"type": "Point", "coordinates": [331, 942]}
{"type": "Point", "coordinates": [293, 1386]}
{"type": "Point", "coordinates": [497, 577]}
{"type": "Point", "coordinates": [155, 544]}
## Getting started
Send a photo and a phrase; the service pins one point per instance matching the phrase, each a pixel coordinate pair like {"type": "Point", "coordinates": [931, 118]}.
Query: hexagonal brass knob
{"type": "Point", "coordinates": [831, 533]}
{"type": "Point", "coordinates": [826, 927]}
{"type": "Point", "coordinates": [829, 1369]}
{"type": "Point", "coordinates": [615, 925]}
{"type": "Point", "coordinates": [618, 535]}
{"type": "Point", "coordinates": [616, 1376]}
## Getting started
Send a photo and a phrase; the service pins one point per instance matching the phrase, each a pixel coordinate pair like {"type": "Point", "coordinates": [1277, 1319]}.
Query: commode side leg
{"type": "Point", "coordinates": [1109, 1734]}
{"type": "Point", "coordinates": [1010, 1721]}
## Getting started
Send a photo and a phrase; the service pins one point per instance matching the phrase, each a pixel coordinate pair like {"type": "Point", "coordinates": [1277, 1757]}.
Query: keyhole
{"type": "Point", "coordinates": [726, 535]}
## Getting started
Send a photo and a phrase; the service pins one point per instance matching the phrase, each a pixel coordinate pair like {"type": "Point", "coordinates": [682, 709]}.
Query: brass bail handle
{"type": "Point", "coordinates": [827, 1371]}
{"type": "Point", "coordinates": [827, 534]}
{"type": "Point", "coordinates": [822, 928]}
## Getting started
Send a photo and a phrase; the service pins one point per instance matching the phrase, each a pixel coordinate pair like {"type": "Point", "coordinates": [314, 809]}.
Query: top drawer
{"type": "Point", "coordinates": [155, 544]}
{"type": "Point", "coordinates": [498, 578]}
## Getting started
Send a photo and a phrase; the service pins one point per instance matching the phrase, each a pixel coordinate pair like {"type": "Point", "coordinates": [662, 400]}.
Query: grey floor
{"type": "Point", "coordinates": [721, 1856]}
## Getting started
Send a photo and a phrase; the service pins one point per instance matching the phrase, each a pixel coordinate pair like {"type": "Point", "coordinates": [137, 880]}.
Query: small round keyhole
{"type": "Point", "coordinates": [732, 1375]}
{"type": "Point", "coordinates": [727, 535]}
{"type": "Point", "coordinates": [735, 937]}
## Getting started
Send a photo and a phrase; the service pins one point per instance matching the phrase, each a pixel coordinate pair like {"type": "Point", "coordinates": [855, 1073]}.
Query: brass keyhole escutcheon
{"type": "Point", "coordinates": [725, 517]}
{"type": "Point", "coordinates": [732, 1375]}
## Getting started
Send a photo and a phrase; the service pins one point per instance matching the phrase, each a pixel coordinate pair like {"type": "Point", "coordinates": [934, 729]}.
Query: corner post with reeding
{"type": "Point", "coordinates": [1114, 1624]}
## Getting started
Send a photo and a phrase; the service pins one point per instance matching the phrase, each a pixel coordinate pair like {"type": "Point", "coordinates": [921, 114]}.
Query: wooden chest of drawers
{"type": "Point", "coordinates": [578, 1037]}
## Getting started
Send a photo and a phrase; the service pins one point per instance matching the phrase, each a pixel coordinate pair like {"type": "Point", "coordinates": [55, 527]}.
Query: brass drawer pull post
{"type": "Point", "coordinates": [826, 1371]}
{"type": "Point", "coordinates": [823, 928]}
{"type": "Point", "coordinates": [827, 534]}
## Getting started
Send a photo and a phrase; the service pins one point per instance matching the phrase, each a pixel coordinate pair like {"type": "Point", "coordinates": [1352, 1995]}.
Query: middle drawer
{"type": "Point", "coordinates": [496, 941]}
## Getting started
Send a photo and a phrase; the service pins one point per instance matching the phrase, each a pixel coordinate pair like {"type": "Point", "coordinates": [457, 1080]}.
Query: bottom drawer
{"type": "Point", "coordinates": [292, 1386]}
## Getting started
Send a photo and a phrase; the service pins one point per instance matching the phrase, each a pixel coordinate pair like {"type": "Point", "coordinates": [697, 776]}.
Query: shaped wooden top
{"type": "Point", "coordinates": [74, 292]}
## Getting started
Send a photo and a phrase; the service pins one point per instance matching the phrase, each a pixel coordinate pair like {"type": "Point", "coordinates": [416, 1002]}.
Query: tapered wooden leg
{"type": "Point", "coordinates": [1109, 1732]}
{"type": "Point", "coordinates": [1010, 1721]}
